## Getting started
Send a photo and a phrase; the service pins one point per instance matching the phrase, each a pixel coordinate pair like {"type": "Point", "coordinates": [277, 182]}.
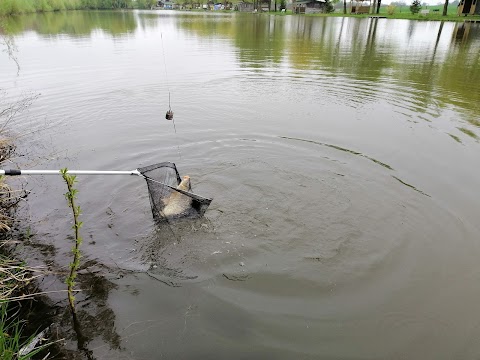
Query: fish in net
{"type": "Point", "coordinates": [170, 195]}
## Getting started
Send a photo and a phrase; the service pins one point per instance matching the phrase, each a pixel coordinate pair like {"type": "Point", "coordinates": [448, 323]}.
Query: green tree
{"type": "Point", "coordinates": [416, 6]}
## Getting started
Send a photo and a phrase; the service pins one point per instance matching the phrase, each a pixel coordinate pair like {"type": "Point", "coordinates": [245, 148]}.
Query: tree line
{"type": "Point", "coordinates": [15, 7]}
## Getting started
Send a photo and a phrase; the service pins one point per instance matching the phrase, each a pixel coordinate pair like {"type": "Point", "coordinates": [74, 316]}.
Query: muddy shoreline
{"type": "Point", "coordinates": [48, 309]}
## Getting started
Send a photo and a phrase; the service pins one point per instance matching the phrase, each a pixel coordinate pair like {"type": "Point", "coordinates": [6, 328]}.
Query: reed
{"type": "Point", "coordinates": [71, 196]}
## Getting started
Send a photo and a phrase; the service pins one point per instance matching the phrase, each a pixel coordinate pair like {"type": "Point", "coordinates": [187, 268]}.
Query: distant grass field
{"type": "Point", "coordinates": [452, 10]}
{"type": "Point", "coordinates": [403, 12]}
{"type": "Point", "coordinates": [434, 10]}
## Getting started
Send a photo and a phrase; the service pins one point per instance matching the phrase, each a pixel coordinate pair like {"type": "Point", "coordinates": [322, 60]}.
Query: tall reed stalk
{"type": "Point", "coordinates": [71, 196]}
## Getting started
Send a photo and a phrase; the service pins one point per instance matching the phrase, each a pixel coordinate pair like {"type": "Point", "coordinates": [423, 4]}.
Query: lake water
{"type": "Point", "coordinates": [342, 155]}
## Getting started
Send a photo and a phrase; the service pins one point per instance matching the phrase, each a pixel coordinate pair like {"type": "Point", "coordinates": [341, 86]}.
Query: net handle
{"type": "Point", "coordinates": [15, 172]}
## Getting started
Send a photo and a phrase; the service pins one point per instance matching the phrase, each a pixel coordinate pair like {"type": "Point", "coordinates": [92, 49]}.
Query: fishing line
{"type": "Point", "coordinates": [173, 120]}
{"type": "Point", "coordinates": [165, 65]}
{"type": "Point", "coordinates": [169, 115]}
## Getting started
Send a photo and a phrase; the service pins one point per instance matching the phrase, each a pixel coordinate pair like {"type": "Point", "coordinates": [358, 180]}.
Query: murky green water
{"type": "Point", "coordinates": [342, 156]}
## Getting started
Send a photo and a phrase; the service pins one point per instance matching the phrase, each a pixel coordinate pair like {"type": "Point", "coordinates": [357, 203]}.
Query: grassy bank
{"type": "Point", "coordinates": [18, 295]}
{"type": "Point", "coordinates": [405, 16]}
{"type": "Point", "coordinates": [17, 303]}
{"type": "Point", "coordinates": [17, 7]}
{"type": "Point", "coordinates": [402, 12]}
{"type": "Point", "coordinates": [434, 10]}
{"type": "Point", "coordinates": [16, 282]}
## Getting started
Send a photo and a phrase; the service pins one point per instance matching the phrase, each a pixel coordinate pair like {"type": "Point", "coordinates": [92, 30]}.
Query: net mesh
{"type": "Point", "coordinates": [170, 195]}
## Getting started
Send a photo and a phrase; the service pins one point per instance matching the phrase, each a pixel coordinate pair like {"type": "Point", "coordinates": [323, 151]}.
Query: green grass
{"type": "Point", "coordinates": [406, 16]}
{"type": "Point", "coordinates": [12, 342]}
{"type": "Point", "coordinates": [403, 12]}
{"type": "Point", "coordinates": [14, 280]}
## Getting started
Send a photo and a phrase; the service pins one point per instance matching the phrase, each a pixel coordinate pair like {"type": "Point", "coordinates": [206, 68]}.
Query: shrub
{"type": "Point", "coordinates": [56, 5]}
{"type": "Point", "coordinates": [391, 9]}
{"type": "Point", "coordinates": [11, 7]}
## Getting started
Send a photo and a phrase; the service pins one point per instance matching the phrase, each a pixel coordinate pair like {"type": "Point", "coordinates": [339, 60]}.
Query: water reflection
{"type": "Point", "coordinates": [73, 23]}
{"type": "Point", "coordinates": [393, 54]}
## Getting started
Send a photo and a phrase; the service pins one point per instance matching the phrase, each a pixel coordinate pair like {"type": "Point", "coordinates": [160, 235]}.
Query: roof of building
{"type": "Point", "coordinates": [308, 1]}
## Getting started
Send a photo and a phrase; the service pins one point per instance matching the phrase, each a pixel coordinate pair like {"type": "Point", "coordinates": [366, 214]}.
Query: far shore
{"type": "Point", "coordinates": [402, 16]}
{"type": "Point", "coordinates": [429, 13]}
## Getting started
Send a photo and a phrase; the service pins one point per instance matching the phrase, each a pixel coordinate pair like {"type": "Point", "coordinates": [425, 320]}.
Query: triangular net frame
{"type": "Point", "coordinates": [162, 180]}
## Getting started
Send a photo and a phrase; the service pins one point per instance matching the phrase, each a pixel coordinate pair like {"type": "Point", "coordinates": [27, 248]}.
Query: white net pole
{"type": "Point", "coordinates": [71, 172]}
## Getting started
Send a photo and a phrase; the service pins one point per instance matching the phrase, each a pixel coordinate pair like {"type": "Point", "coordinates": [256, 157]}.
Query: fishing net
{"type": "Point", "coordinates": [170, 196]}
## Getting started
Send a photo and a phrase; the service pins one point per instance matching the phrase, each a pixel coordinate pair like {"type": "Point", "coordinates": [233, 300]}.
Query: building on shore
{"type": "Point", "coordinates": [308, 6]}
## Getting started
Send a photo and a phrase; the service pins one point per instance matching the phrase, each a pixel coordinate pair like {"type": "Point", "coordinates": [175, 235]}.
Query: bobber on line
{"type": "Point", "coordinates": [169, 115]}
